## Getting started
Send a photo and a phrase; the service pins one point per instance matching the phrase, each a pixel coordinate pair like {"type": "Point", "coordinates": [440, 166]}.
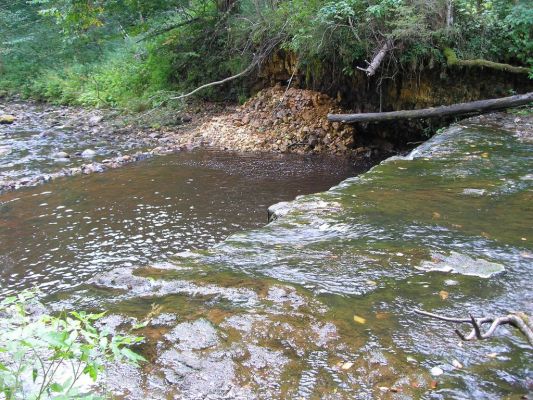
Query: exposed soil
{"type": "Point", "coordinates": [280, 120]}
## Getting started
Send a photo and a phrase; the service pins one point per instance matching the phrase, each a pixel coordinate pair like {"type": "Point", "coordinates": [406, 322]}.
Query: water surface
{"type": "Point", "coordinates": [62, 233]}
{"type": "Point", "coordinates": [320, 303]}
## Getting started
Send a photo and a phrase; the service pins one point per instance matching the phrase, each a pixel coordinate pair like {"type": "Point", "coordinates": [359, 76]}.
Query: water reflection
{"type": "Point", "coordinates": [62, 233]}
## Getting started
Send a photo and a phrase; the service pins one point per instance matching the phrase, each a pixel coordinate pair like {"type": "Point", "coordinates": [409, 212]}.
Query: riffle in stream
{"type": "Point", "coordinates": [319, 303]}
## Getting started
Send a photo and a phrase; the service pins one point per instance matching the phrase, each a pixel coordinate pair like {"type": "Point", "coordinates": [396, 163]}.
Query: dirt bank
{"type": "Point", "coordinates": [280, 120]}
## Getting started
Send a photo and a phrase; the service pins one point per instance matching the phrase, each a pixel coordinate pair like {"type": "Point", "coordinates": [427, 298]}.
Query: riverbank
{"type": "Point", "coordinates": [74, 141]}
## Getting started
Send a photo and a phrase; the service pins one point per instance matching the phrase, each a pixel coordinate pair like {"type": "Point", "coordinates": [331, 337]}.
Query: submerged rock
{"type": "Point", "coordinates": [197, 335]}
{"type": "Point", "coordinates": [462, 264]}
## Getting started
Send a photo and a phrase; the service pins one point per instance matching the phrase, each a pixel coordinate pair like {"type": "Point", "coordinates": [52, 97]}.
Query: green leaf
{"type": "Point", "coordinates": [34, 374]}
{"type": "Point", "coordinates": [56, 387]}
{"type": "Point", "coordinates": [131, 355]}
{"type": "Point", "coordinates": [92, 371]}
{"type": "Point", "coordinates": [56, 339]}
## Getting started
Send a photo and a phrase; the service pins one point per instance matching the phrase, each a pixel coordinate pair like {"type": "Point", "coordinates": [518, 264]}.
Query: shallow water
{"type": "Point", "coordinates": [318, 303]}
{"type": "Point", "coordinates": [29, 147]}
{"type": "Point", "coordinates": [63, 233]}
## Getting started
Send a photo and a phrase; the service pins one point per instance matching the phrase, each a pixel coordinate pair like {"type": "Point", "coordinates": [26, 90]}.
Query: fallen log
{"type": "Point", "coordinates": [474, 107]}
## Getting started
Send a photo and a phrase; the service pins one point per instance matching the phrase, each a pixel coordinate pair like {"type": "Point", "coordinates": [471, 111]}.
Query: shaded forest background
{"type": "Point", "coordinates": [137, 54]}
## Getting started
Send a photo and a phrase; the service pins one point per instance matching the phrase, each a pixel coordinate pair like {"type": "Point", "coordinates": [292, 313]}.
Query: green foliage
{"type": "Point", "coordinates": [52, 357]}
{"type": "Point", "coordinates": [140, 53]}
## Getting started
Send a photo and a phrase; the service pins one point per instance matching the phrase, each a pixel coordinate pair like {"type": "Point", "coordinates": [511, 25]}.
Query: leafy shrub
{"type": "Point", "coordinates": [119, 53]}
{"type": "Point", "coordinates": [48, 357]}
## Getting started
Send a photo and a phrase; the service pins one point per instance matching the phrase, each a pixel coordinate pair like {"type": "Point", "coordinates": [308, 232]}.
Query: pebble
{"type": "Point", "coordinates": [7, 119]}
{"type": "Point", "coordinates": [347, 365]}
{"type": "Point", "coordinates": [88, 153]}
{"type": "Point", "coordinates": [457, 364]}
{"type": "Point", "coordinates": [61, 154]}
{"type": "Point", "coordinates": [436, 371]}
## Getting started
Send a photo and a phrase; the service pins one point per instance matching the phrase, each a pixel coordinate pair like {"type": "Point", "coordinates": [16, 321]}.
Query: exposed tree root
{"type": "Point", "coordinates": [517, 319]}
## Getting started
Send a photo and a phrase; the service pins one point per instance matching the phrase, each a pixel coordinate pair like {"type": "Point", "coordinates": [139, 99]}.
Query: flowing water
{"type": "Point", "coordinates": [61, 234]}
{"type": "Point", "coordinates": [316, 304]}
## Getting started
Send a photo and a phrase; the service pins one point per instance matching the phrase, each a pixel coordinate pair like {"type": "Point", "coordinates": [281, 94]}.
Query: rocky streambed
{"type": "Point", "coordinates": [320, 302]}
{"type": "Point", "coordinates": [43, 142]}
{"type": "Point", "coordinates": [316, 304]}
{"type": "Point", "coordinates": [46, 142]}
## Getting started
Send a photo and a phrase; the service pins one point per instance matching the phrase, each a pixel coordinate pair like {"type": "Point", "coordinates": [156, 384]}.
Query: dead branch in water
{"type": "Point", "coordinates": [517, 319]}
{"type": "Point", "coordinates": [474, 107]}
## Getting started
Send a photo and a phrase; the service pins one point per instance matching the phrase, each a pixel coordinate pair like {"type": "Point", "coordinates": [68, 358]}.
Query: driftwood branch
{"type": "Point", "coordinates": [517, 319]}
{"type": "Point", "coordinates": [378, 58]}
{"type": "Point", "coordinates": [474, 107]}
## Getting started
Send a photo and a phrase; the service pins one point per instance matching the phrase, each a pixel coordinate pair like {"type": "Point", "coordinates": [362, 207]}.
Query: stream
{"type": "Point", "coordinates": [319, 302]}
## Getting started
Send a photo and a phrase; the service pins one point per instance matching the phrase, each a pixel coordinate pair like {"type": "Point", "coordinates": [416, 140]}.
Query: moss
{"type": "Point", "coordinates": [451, 57]}
{"type": "Point", "coordinates": [452, 60]}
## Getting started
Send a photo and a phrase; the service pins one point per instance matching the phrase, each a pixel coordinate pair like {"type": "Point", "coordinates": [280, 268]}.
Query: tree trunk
{"type": "Point", "coordinates": [449, 14]}
{"type": "Point", "coordinates": [225, 5]}
{"type": "Point", "coordinates": [474, 107]}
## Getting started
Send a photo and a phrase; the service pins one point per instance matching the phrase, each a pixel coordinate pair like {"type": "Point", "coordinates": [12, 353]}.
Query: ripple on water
{"type": "Point", "coordinates": [62, 236]}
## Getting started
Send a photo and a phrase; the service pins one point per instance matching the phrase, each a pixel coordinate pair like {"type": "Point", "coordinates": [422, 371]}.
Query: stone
{"type": "Point", "coordinates": [462, 264]}
{"type": "Point", "coordinates": [88, 153]}
{"type": "Point", "coordinates": [312, 141]}
{"type": "Point", "coordinates": [95, 120]}
{"type": "Point", "coordinates": [61, 155]}
{"type": "Point", "coordinates": [7, 119]}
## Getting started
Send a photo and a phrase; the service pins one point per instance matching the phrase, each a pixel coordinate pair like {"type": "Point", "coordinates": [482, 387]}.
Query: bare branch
{"type": "Point", "coordinates": [258, 59]}
{"type": "Point", "coordinates": [378, 58]}
{"type": "Point", "coordinates": [517, 319]}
